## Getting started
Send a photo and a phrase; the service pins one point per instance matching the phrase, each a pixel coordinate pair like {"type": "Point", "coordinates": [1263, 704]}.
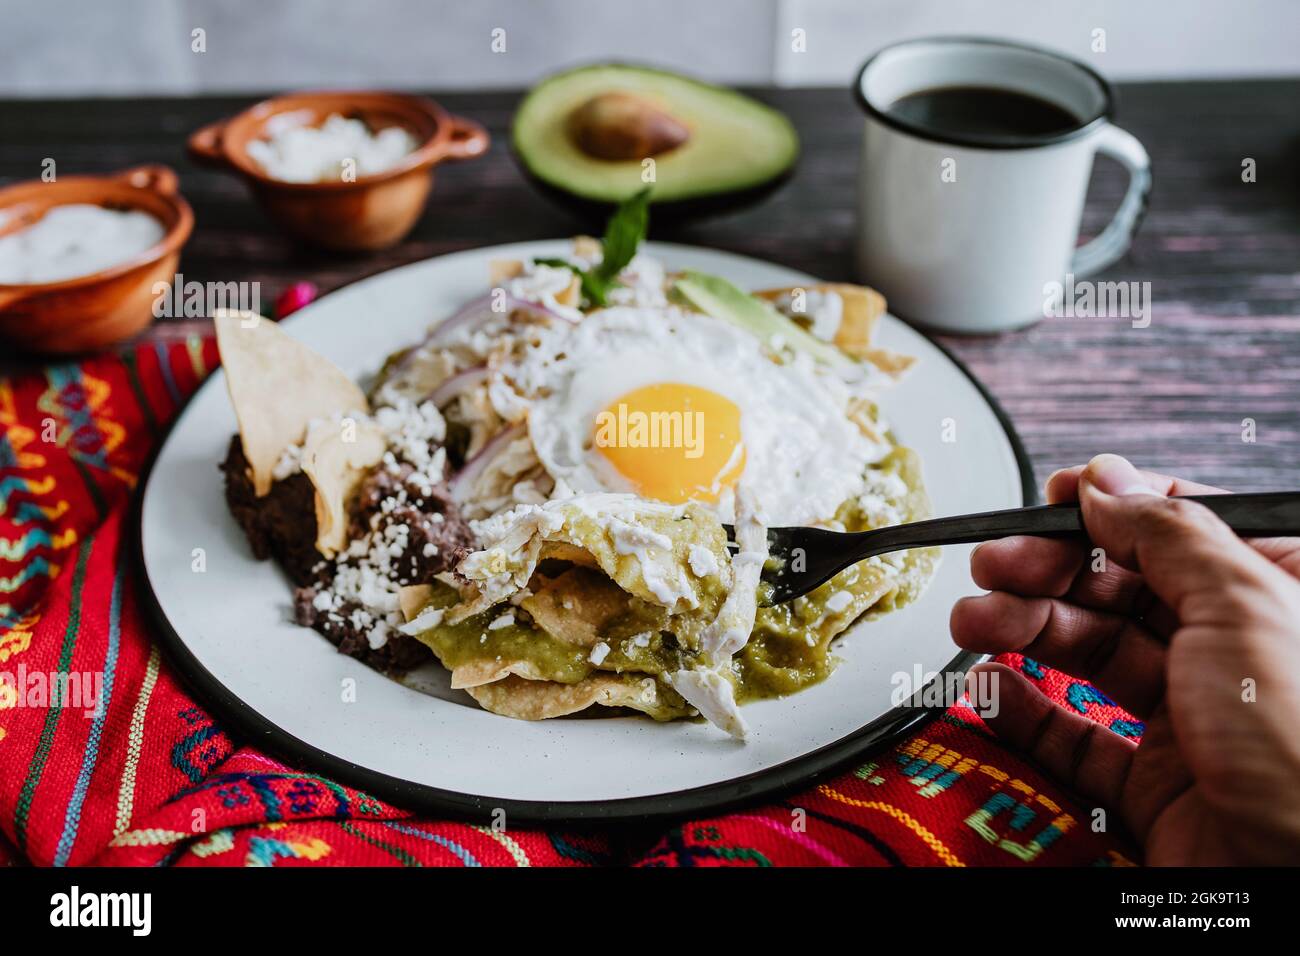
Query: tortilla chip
{"type": "Point", "coordinates": [479, 673]}
{"type": "Point", "coordinates": [586, 247]}
{"type": "Point", "coordinates": [335, 456]}
{"type": "Point", "coordinates": [503, 270]}
{"type": "Point", "coordinates": [277, 386]}
{"type": "Point", "coordinates": [863, 413]}
{"type": "Point", "coordinates": [541, 700]}
{"type": "Point", "coordinates": [893, 364]}
{"type": "Point", "coordinates": [873, 585]}
{"type": "Point", "coordinates": [572, 295]}
{"type": "Point", "coordinates": [863, 307]}
{"type": "Point", "coordinates": [412, 598]}
{"type": "Point", "coordinates": [576, 606]}
{"type": "Point", "coordinates": [563, 551]}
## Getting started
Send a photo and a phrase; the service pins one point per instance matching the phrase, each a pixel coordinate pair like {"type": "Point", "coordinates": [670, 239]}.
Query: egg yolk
{"type": "Point", "coordinates": [672, 442]}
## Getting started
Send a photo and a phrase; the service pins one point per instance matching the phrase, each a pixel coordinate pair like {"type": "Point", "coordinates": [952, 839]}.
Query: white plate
{"type": "Point", "coordinates": [228, 628]}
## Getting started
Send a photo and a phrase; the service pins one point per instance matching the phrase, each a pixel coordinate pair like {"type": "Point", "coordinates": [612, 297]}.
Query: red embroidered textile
{"type": "Point", "coordinates": [154, 778]}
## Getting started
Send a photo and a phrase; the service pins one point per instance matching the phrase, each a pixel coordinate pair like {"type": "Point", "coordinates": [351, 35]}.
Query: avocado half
{"type": "Point", "coordinates": [583, 137]}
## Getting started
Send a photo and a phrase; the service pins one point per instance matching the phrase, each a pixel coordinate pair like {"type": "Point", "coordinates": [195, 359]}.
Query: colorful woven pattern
{"type": "Point", "coordinates": [152, 778]}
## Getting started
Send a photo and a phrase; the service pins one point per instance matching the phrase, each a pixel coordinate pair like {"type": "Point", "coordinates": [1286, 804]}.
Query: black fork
{"type": "Point", "coordinates": [807, 557]}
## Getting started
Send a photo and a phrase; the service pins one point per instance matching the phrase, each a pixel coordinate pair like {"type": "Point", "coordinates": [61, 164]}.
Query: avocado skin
{"type": "Point", "coordinates": [595, 214]}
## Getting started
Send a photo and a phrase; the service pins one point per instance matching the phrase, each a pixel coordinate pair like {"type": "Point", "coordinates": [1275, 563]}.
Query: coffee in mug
{"type": "Point", "coordinates": [975, 163]}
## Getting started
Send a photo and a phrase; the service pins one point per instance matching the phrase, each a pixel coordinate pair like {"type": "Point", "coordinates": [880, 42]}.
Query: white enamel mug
{"type": "Point", "coordinates": [967, 233]}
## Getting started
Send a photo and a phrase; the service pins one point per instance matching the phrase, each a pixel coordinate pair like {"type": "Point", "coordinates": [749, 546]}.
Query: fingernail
{"type": "Point", "coordinates": [1113, 475]}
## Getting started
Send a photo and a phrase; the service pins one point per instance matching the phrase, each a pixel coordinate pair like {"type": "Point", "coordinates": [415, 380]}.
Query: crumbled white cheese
{"type": "Point", "coordinates": [295, 153]}
{"type": "Point", "coordinates": [541, 283]}
{"type": "Point", "coordinates": [366, 574]}
{"type": "Point", "coordinates": [826, 309]}
{"type": "Point", "coordinates": [660, 572]}
{"type": "Point", "coordinates": [414, 433]}
{"type": "Point", "coordinates": [838, 601]}
{"type": "Point", "coordinates": [505, 620]}
{"type": "Point", "coordinates": [702, 561]}
{"type": "Point", "coordinates": [712, 695]}
{"type": "Point", "coordinates": [641, 283]}
{"type": "Point", "coordinates": [288, 464]}
{"type": "Point", "coordinates": [882, 491]}
{"type": "Point", "coordinates": [598, 653]}
{"type": "Point", "coordinates": [429, 617]}
{"type": "Point", "coordinates": [377, 636]}
{"type": "Point", "coordinates": [75, 239]}
{"type": "Point", "coordinates": [729, 631]}
{"type": "Point", "coordinates": [822, 311]}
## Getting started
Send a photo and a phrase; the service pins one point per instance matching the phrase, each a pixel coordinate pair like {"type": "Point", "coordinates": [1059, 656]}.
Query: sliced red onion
{"type": "Point", "coordinates": [457, 385]}
{"type": "Point", "coordinates": [474, 313]}
{"type": "Point", "coordinates": [481, 309]}
{"type": "Point", "coordinates": [465, 479]}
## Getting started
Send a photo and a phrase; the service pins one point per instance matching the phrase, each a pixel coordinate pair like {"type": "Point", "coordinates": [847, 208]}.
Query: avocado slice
{"type": "Point", "coordinates": [722, 300]}
{"type": "Point", "coordinates": [582, 136]}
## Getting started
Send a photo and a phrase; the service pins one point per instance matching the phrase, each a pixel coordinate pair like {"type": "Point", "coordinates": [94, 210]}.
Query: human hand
{"type": "Point", "coordinates": [1186, 626]}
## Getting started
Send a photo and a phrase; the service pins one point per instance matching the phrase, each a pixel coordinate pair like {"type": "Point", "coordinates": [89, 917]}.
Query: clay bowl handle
{"type": "Point", "coordinates": [151, 176]}
{"type": "Point", "coordinates": [468, 140]}
{"type": "Point", "coordinates": [204, 145]}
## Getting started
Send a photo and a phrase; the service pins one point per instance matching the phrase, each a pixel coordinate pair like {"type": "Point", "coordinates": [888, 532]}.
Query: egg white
{"type": "Point", "coordinates": [803, 457]}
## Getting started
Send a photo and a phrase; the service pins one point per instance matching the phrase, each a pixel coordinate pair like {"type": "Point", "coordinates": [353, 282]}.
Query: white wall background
{"type": "Point", "coordinates": [124, 47]}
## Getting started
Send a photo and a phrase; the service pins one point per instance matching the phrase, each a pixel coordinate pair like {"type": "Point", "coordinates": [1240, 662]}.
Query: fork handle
{"type": "Point", "coordinates": [1250, 515]}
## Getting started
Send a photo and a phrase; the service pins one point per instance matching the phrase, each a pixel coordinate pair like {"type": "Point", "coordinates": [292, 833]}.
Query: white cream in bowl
{"type": "Point", "coordinates": [74, 240]}
{"type": "Point", "coordinates": [296, 153]}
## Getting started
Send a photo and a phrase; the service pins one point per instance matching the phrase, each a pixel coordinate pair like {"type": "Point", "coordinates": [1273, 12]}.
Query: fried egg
{"type": "Point", "coordinates": [677, 406]}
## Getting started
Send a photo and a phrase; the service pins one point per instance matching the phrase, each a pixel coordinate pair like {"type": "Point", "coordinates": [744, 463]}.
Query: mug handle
{"type": "Point", "coordinates": [1113, 241]}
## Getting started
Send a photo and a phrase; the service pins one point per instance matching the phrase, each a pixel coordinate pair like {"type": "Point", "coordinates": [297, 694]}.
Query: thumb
{"type": "Point", "coordinates": [1180, 547]}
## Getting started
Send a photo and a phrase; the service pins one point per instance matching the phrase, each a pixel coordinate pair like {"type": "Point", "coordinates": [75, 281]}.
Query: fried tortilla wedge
{"type": "Point", "coordinates": [587, 247]}
{"type": "Point", "coordinates": [862, 309]}
{"type": "Point", "coordinates": [277, 386]}
{"type": "Point", "coordinates": [336, 455]}
{"type": "Point", "coordinates": [562, 551]}
{"type": "Point", "coordinates": [479, 673]}
{"type": "Point", "coordinates": [503, 270]}
{"type": "Point", "coordinates": [893, 364]}
{"type": "Point", "coordinates": [412, 598]}
{"type": "Point", "coordinates": [575, 606]}
{"type": "Point", "coordinates": [541, 700]}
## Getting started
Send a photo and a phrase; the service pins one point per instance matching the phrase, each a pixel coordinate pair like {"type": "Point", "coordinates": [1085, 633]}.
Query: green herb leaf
{"type": "Point", "coordinates": [624, 232]}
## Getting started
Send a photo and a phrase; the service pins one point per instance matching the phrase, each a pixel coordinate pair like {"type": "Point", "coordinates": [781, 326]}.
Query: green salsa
{"type": "Point", "coordinates": [789, 648]}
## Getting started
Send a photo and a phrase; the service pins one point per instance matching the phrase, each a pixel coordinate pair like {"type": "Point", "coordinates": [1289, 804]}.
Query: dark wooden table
{"type": "Point", "coordinates": [1222, 257]}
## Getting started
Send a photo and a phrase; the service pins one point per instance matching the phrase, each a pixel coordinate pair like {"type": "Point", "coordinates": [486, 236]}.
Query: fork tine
{"type": "Point", "coordinates": [802, 559]}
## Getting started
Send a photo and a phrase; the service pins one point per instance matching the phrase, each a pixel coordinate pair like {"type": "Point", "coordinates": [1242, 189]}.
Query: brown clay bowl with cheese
{"type": "Point", "coordinates": [93, 311]}
{"type": "Point", "coordinates": [365, 213]}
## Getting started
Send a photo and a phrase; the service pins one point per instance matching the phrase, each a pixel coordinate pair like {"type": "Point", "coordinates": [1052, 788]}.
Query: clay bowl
{"type": "Point", "coordinates": [369, 212]}
{"type": "Point", "coordinates": [102, 308]}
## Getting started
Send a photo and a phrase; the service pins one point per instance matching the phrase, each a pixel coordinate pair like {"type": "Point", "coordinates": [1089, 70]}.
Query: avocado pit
{"type": "Point", "coordinates": [619, 126]}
